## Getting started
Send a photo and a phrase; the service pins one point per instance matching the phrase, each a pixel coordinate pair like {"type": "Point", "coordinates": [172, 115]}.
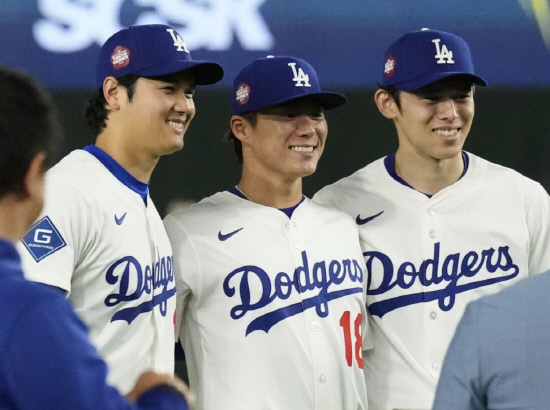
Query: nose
{"type": "Point", "coordinates": [447, 109]}
{"type": "Point", "coordinates": [184, 104]}
{"type": "Point", "coordinates": [305, 126]}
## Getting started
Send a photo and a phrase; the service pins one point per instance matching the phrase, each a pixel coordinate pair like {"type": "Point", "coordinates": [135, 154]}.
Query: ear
{"type": "Point", "coordinates": [239, 127]}
{"type": "Point", "coordinates": [112, 93]}
{"type": "Point", "coordinates": [33, 183]}
{"type": "Point", "coordinates": [386, 104]}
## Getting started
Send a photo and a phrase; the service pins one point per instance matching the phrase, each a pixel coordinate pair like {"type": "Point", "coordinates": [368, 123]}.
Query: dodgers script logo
{"type": "Point", "coordinates": [253, 280]}
{"type": "Point", "coordinates": [134, 281]}
{"type": "Point", "coordinates": [433, 272]}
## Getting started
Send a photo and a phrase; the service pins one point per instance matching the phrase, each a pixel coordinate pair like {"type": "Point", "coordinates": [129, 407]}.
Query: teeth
{"type": "Point", "coordinates": [447, 133]}
{"type": "Point", "coordinates": [302, 149]}
{"type": "Point", "coordinates": [177, 125]}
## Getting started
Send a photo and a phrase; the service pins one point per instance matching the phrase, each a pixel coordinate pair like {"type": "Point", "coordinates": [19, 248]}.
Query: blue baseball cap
{"type": "Point", "coordinates": [274, 80]}
{"type": "Point", "coordinates": [420, 58]}
{"type": "Point", "coordinates": [151, 50]}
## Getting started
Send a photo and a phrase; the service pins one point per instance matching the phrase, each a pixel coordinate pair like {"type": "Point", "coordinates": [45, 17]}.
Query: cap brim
{"type": "Point", "coordinates": [420, 82]}
{"type": "Point", "coordinates": [328, 100]}
{"type": "Point", "coordinates": [205, 72]}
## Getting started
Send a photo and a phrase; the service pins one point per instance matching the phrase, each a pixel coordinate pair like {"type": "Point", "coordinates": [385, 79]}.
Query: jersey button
{"type": "Point", "coordinates": [314, 325]}
{"type": "Point", "coordinates": [431, 212]}
{"type": "Point", "coordinates": [433, 315]}
{"type": "Point", "coordinates": [435, 367]}
{"type": "Point", "coordinates": [287, 226]}
{"type": "Point", "coordinates": [322, 378]}
{"type": "Point", "coordinates": [432, 234]}
{"type": "Point", "coordinates": [297, 245]}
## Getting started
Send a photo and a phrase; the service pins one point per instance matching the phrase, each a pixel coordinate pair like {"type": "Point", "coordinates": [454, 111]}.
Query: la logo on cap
{"type": "Point", "coordinates": [178, 41]}
{"type": "Point", "coordinates": [300, 79]}
{"type": "Point", "coordinates": [242, 94]}
{"type": "Point", "coordinates": [443, 55]}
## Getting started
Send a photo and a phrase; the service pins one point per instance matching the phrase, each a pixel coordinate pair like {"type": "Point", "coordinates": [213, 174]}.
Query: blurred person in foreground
{"type": "Point", "coordinates": [46, 359]}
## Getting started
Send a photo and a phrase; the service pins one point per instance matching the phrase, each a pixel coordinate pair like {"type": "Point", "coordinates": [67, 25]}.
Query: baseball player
{"type": "Point", "coordinates": [270, 285]}
{"type": "Point", "coordinates": [100, 238]}
{"type": "Point", "coordinates": [46, 360]}
{"type": "Point", "coordinates": [439, 226]}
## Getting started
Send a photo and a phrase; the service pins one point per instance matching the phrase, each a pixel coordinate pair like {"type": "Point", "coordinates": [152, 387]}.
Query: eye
{"type": "Point", "coordinates": [432, 98]}
{"type": "Point", "coordinates": [169, 88]}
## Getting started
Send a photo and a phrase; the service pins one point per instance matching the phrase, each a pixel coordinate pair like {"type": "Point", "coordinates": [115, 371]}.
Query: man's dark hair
{"type": "Point", "coordinates": [252, 118]}
{"type": "Point", "coordinates": [394, 93]}
{"type": "Point", "coordinates": [29, 125]}
{"type": "Point", "coordinates": [97, 113]}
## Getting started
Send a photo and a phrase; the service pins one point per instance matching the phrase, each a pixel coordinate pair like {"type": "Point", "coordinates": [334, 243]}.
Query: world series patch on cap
{"type": "Point", "coordinates": [270, 81]}
{"type": "Point", "coordinates": [150, 50]}
{"type": "Point", "coordinates": [420, 58]}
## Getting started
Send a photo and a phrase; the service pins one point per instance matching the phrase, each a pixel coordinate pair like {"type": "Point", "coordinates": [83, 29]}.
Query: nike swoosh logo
{"type": "Point", "coordinates": [120, 220]}
{"type": "Point", "coordinates": [363, 221]}
{"type": "Point", "coordinates": [225, 237]}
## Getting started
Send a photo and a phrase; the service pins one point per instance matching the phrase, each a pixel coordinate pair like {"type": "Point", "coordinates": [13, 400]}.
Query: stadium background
{"type": "Point", "coordinates": [58, 41]}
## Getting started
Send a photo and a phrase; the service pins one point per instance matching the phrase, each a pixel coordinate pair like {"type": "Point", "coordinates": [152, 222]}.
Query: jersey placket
{"type": "Point", "coordinates": [156, 317]}
{"type": "Point", "coordinates": [431, 312]}
{"type": "Point", "coordinates": [312, 322]}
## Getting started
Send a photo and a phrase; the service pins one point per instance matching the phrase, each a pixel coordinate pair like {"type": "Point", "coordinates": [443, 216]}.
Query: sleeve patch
{"type": "Point", "coordinates": [43, 239]}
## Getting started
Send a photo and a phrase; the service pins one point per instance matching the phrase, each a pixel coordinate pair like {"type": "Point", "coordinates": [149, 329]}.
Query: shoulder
{"type": "Point", "coordinates": [362, 180]}
{"type": "Point", "coordinates": [495, 172]}
{"type": "Point", "coordinates": [208, 210]}
{"type": "Point", "coordinates": [328, 213]}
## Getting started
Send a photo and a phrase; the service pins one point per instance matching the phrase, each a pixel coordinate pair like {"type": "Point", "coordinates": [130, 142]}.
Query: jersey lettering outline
{"type": "Point", "coordinates": [432, 272]}
{"type": "Point", "coordinates": [320, 277]}
{"type": "Point", "coordinates": [134, 281]}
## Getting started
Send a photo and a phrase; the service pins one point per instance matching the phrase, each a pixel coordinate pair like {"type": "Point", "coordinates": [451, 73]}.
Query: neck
{"type": "Point", "coordinates": [428, 175]}
{"type": "Point", "coordinates": [14, 218]}
{"type": "Point", "coordinates": [139, 164]}
{"type": "Point", "coordinates": [275, 194]}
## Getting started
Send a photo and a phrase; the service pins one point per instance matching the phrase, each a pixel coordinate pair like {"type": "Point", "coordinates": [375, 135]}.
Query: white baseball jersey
{"type": "Point", "coordinates": [426, 258]}
{"type": "Point", "coordinates": [271, 310]}
{"type": "Point", "coordinates": [98, 240]}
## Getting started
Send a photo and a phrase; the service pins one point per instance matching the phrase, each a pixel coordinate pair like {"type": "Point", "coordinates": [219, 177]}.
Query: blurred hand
{"type": "Point", "coordinates": [150, 379]}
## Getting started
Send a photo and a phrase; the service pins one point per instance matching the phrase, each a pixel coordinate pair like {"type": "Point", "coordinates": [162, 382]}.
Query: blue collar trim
{"type": "Point", "coordinates": [287, 211]}
{"type": "Point", "coordinates": [389, 163]}
{"type": "Point", "coordinates": [118, 171]}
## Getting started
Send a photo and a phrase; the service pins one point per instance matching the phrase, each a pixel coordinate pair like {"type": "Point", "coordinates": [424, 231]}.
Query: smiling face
{"type": "Point", "coordinates": [434, 121]}
{"type": "Point", "coordinates": [161, 109]}
{"type": "Point", "coordinates": [286, 141]}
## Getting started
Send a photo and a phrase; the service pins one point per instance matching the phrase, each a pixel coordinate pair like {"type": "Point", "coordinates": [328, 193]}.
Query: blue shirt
{"type": "Point", "coordinates": [46, 360]}
{"type": "Point", "coordinates": [499, 357]}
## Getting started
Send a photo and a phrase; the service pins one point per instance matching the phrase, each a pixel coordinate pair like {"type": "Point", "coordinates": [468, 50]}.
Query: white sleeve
{"type": "Point", "coordinates": [538, 223]}
{"type": "Point", "coordinates": [53, 246]}
{"type": "Point", "coordinates": [186, 265]}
